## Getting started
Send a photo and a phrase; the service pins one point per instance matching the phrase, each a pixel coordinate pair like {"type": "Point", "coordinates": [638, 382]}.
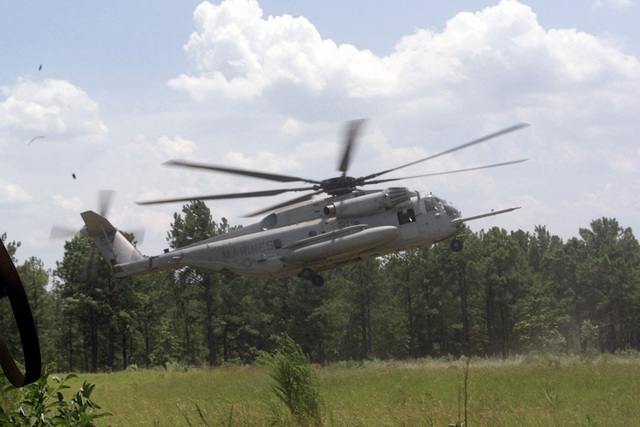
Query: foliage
{"type": "Point", "coordinates": [45, 405]}
{"type": "Point", "coordinates": [296, 382]}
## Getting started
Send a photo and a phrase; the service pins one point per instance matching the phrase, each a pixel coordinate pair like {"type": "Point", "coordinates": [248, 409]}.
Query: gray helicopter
{"type": "Point", "coordinates": [304, 236]}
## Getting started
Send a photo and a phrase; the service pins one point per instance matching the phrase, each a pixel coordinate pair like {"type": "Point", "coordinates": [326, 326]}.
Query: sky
{"type": "Point", "coordinates": [109, 91]}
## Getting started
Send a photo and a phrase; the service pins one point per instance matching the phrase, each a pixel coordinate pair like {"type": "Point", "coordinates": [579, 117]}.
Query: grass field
{"type": "Point", "coordinates": [547, 391]}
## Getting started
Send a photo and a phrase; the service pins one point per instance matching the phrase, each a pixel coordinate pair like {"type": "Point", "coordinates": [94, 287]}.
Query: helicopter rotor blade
{"type": "Point", "coordinates": [59, 232]}
{"type": "Point", "coordinates": [105, 197]}
{"type": "Point", "coordinates": [237, 171]}
{"type": "Point", "coordinates": [380, 181]}
{"type": "Point", "coordinates": [226, 196]}
{"type": "Point", "coordinates": [287, 203]}
{"type": "Point", "coordinates": [352, 132]}
{"type": "Point", "coordinates": [451, 150]}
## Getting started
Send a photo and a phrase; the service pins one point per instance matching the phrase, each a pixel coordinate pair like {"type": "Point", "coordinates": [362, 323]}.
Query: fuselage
{"type": "Point", "coordinates": [318, 235]}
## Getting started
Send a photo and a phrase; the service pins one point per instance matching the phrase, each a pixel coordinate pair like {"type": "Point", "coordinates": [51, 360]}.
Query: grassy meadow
{"type": "Point", "coordinates": [521, 391]}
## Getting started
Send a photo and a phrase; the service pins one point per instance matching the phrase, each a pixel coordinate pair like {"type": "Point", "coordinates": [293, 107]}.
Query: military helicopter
{"type": "Point", "coordinates": [304, 236]}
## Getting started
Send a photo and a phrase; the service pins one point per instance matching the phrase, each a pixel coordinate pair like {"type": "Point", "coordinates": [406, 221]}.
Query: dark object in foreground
{"type": "Point", "coordinates": [11, 286]}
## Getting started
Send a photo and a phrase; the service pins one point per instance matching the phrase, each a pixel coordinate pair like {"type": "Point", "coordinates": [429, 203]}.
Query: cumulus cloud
{"type": "Point", "coordinates": [239, 54]}
{"type": "Point", "coordinates": [12, 193]}
{"type": "Point", "coordinates": [163, 149]}
{"type": "Point", "coordinates": [291, 127]}
{"type": "Point", "coordinates": [263, 160]}
{"type": "Point", "coordinates": [73, 204]}
{"type": "Point", "coordinates": [175, 147]}
{"type": "Point", "coordinates": [52, 108]}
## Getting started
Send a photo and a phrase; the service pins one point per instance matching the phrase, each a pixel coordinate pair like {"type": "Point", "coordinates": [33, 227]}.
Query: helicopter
{"type": "Point", "coordinates": [304, 236]}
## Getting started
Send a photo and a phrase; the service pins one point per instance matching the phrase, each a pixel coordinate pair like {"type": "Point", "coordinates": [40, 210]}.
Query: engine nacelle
{"type": "Point", "coordinates": [369, 204]}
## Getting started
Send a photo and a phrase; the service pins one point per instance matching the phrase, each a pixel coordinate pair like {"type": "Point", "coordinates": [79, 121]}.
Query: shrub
{"type": "Point", "coordinates": [296, 383]}
{"type": "Point", "coordinates": [45, 405]}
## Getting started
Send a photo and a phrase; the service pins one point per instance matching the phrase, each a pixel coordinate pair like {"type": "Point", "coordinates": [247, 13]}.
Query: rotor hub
{"type": "Point", "coordinates": [338, 185]}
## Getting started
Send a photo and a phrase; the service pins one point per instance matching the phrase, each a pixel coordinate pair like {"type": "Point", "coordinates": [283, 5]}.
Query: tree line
{"type": "Point", "coordinates": [505, 293]}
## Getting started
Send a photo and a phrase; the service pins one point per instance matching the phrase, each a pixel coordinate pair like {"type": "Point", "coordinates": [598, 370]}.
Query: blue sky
{"type": "Point", "coordinates": [125, 86]}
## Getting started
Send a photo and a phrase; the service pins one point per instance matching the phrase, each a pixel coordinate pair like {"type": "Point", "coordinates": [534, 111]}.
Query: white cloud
{"type": "Point", "coordinates": [55, 109]}
{"type": "Point", "coordinates": [479, 57]}
{"type": "Point", "coordinates": [238, 54]}
{"type": "Point", "coordinates": [73, 204]}
{"type": "Point", "coordinates": [162, 150]}
{"type": "Point", "coordinates": [264, 161]}
{"type": "Point", "coordinates": [291, 127]}
{"type": "Point", "coordinates": [176, 147]}
{"type": "Point", "coordinates": [12, 193]}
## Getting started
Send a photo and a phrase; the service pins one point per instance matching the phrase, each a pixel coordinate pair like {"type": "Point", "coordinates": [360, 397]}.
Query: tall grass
{"type": "Point", "coordinates": [519, 391]}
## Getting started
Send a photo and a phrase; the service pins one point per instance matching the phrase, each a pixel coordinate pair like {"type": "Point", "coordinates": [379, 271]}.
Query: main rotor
{"type": "Point", "coordinates": [342, 184]}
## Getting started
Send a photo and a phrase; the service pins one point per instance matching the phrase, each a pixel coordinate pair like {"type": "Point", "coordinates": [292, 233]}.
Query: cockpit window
{"type": "Point", "coordinates": [430, 205]}
{"type": "Point", "coordinates": [269, 222]}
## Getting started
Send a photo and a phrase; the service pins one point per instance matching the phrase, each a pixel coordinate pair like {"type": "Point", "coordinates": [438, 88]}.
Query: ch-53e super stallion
{"type": "Point", "coordinates": [305, 236]}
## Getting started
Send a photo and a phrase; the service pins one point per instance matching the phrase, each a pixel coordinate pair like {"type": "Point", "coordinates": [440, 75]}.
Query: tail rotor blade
{"type": "Point", "coordinates": [59, 232]}
{"type": "Point", "coordinates": [105, 197]}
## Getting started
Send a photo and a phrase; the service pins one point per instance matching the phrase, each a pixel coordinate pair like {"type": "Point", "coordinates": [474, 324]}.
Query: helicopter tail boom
{"type": "Point", "coordinates": [126, 261]}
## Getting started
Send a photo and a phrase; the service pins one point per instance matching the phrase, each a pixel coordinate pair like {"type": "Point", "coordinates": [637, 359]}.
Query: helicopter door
{"type": "Point", "coordinates": [406, 216]}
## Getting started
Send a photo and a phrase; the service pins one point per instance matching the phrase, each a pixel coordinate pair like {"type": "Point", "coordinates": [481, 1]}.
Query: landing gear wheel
{"type": "Point", "coordinates": [312, 276]}
{"type": "Point", "coordinates": [307, 274]}
{"type": "Point", "coordinates": [317, 280]}
{"type": "Point", "coordinates": [456, 245]}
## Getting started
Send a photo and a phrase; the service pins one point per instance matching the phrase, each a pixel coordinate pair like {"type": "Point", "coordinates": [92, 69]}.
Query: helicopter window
{"type": "Point", "coordinates": [405, 217]}
{"type": "Point", "coordinates": [430, 205]}
{"type": "Point", "coordinates": [269, 221]}
{"type": "Point", "coordinates": [277, 243]}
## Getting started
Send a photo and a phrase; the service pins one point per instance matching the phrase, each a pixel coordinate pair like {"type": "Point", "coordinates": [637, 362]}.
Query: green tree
{"type": "Point", "coordinates": [504, 265]}
{"type": "Point", "coordinates": [197, 225]}
{"type": "Point", "coordinates": [35, 280]}
{"type": "Point", "coordinates": [359, 289]}
{"type": "Point", "coordinates": [543, 304]}
{"type": "Point", "coordinates": [89, 294]}
{"type": "Point", "coordinates": [610, 271]}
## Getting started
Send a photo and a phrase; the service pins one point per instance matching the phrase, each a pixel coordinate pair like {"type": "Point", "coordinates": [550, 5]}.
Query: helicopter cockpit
{"type": "Point", "coordinates": [436, 204]}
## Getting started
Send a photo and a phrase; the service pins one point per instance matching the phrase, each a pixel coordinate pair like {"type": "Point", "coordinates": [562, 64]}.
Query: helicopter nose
{"type": "Point", "coordinates": [451, 211]}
